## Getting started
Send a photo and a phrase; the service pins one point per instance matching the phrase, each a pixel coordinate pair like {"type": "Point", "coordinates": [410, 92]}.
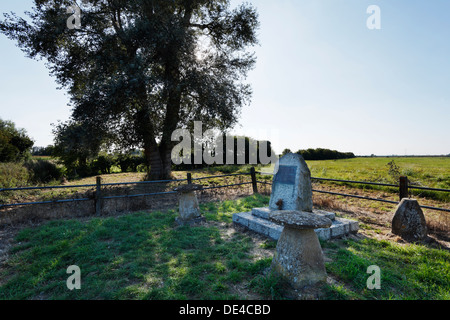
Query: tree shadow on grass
{"type": "Point", "coordinates": [137, 256]}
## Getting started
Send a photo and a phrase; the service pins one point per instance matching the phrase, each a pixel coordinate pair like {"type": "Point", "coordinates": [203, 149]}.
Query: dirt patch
{"type": "Point", "coordinates": [6, 241]}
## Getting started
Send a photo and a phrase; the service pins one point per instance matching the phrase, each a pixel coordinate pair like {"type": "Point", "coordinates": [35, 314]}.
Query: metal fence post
{"type": "Point", "coordinates": [403, 189]}
{"type": "Point", "coordinates": [254, 182]}
{"type": "Point", "coordinates": [189, 178]}
{"type": "Point", "coordinates": [98, 197]}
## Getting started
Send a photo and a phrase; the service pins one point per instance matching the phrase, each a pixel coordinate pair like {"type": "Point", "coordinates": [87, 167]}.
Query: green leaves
{"type": "Point", "coordinates": [133, 67]}
{"type": "Point", "coordinates": [15, 144]}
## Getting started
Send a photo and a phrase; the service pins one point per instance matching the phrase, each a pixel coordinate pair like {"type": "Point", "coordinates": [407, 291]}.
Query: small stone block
{"type": "Point", "coordinates": [261, 212]}
{"type": "Point", "coordinates": [323, 233]}
{"type": "Point", "coordinates": [329, 215]}
{"type": "Point", "coordinates": [354, 226]}
{"type": "Point", "coordinates": [337, 230]}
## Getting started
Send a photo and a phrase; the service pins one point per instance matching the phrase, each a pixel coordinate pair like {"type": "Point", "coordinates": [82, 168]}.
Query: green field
{"type": "Point", "coordinates": [432, 172]}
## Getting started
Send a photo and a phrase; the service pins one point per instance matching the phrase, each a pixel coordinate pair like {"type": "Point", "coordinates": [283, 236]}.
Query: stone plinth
{"type": "Point", "coordinates": [298, 257]}
{"type": "Point", "coordinates": [189, 208]}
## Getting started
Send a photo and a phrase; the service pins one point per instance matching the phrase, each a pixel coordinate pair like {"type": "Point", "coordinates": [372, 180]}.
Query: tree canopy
{"type": "Point", "coordinates": [139, 69]}
{"type": "Point", "coordinates": [75, 144]}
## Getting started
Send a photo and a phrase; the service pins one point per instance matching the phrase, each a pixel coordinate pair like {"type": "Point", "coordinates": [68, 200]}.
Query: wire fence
{"type": "Point", "coordinates": [99, 194]}
{"type": "Point", "coordinates": [403, 190]}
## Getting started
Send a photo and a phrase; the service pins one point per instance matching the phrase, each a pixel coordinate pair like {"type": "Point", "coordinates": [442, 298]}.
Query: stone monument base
{"type": "Point", "coordinates": [258, 221]}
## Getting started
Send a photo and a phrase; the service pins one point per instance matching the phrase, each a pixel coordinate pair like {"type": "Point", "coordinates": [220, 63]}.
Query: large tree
{"type": "Point", "coordinates": [139, 69]}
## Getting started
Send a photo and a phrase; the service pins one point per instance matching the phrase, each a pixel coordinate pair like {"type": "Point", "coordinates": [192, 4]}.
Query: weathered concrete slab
{"type": "Point", "coordinates": [300, 219]}
{"type": "Point", "coordinates": [340, 226]}
{"type": "Point", "coordinates": [264, 213]}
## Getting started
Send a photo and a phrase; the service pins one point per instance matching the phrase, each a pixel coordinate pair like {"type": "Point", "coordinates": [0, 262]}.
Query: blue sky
{"type": "Point", "coordinates": [322, 79]}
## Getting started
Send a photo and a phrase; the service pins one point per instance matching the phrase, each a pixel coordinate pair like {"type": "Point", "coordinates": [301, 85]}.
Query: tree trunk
{"type": "Point", "coordinates": [159, 157]}
{"type": "Point", "coordinates": [160, 163]}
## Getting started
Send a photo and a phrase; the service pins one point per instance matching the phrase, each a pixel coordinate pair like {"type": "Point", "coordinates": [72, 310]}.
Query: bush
{"type": "Point", "coordinates": [13, 175]}
{"type": "Point", "coordinates": [42, 171]}
{"type": "Point", "coordinates": [125, 162]}
{"type": "Point", "coordinates": [102, 164]}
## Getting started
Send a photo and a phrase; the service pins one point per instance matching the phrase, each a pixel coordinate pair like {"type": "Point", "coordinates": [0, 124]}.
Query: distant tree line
{"type": "Point", "coordinates": [241, 156]}
{"type": "Point", "coordinates": [322, 154]}
{"type": "Point", "coordinates": [42, 151]}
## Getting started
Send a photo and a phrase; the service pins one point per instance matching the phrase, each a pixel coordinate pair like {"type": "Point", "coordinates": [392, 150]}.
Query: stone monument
{"type": "Point", "coordinates": [292, 190]}
{"type": "Point", "coordinates": [409, 221]}
{"type": "Point", "coordinates": [292, 185]}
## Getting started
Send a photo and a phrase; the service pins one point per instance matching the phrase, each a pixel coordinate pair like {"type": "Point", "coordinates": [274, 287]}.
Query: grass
{"type": "Point", "coordinates": [145, 256]}
{"type": "Point", "coordinates": [137, 256]}
{"type": "Point", "coordinates": [408, 272]}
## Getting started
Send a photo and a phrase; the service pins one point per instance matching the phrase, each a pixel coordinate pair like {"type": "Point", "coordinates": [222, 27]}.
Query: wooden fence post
{"type": "Point", "coordinates": [254, 182]}
{"type": "Point", "coordinates": [189, 178]}
{"type": "Point", "coordinates": [403, 189]}
{"type": "Point", "coordinates": [98, 197]}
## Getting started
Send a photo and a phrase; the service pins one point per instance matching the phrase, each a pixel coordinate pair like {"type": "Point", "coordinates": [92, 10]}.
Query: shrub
{"type": "Point", "coordinates": [102, 164]}
{"type": "Point", "coordinates": [13, 175]}
{"type": "Point", "coordinates": [139, 164]}
{"type": "Point", "coordinates": [125, 162]}
{"type": "Point", "coordinates": [43, 171]}
{"type": "Point", "coordinates": [129, 162]}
